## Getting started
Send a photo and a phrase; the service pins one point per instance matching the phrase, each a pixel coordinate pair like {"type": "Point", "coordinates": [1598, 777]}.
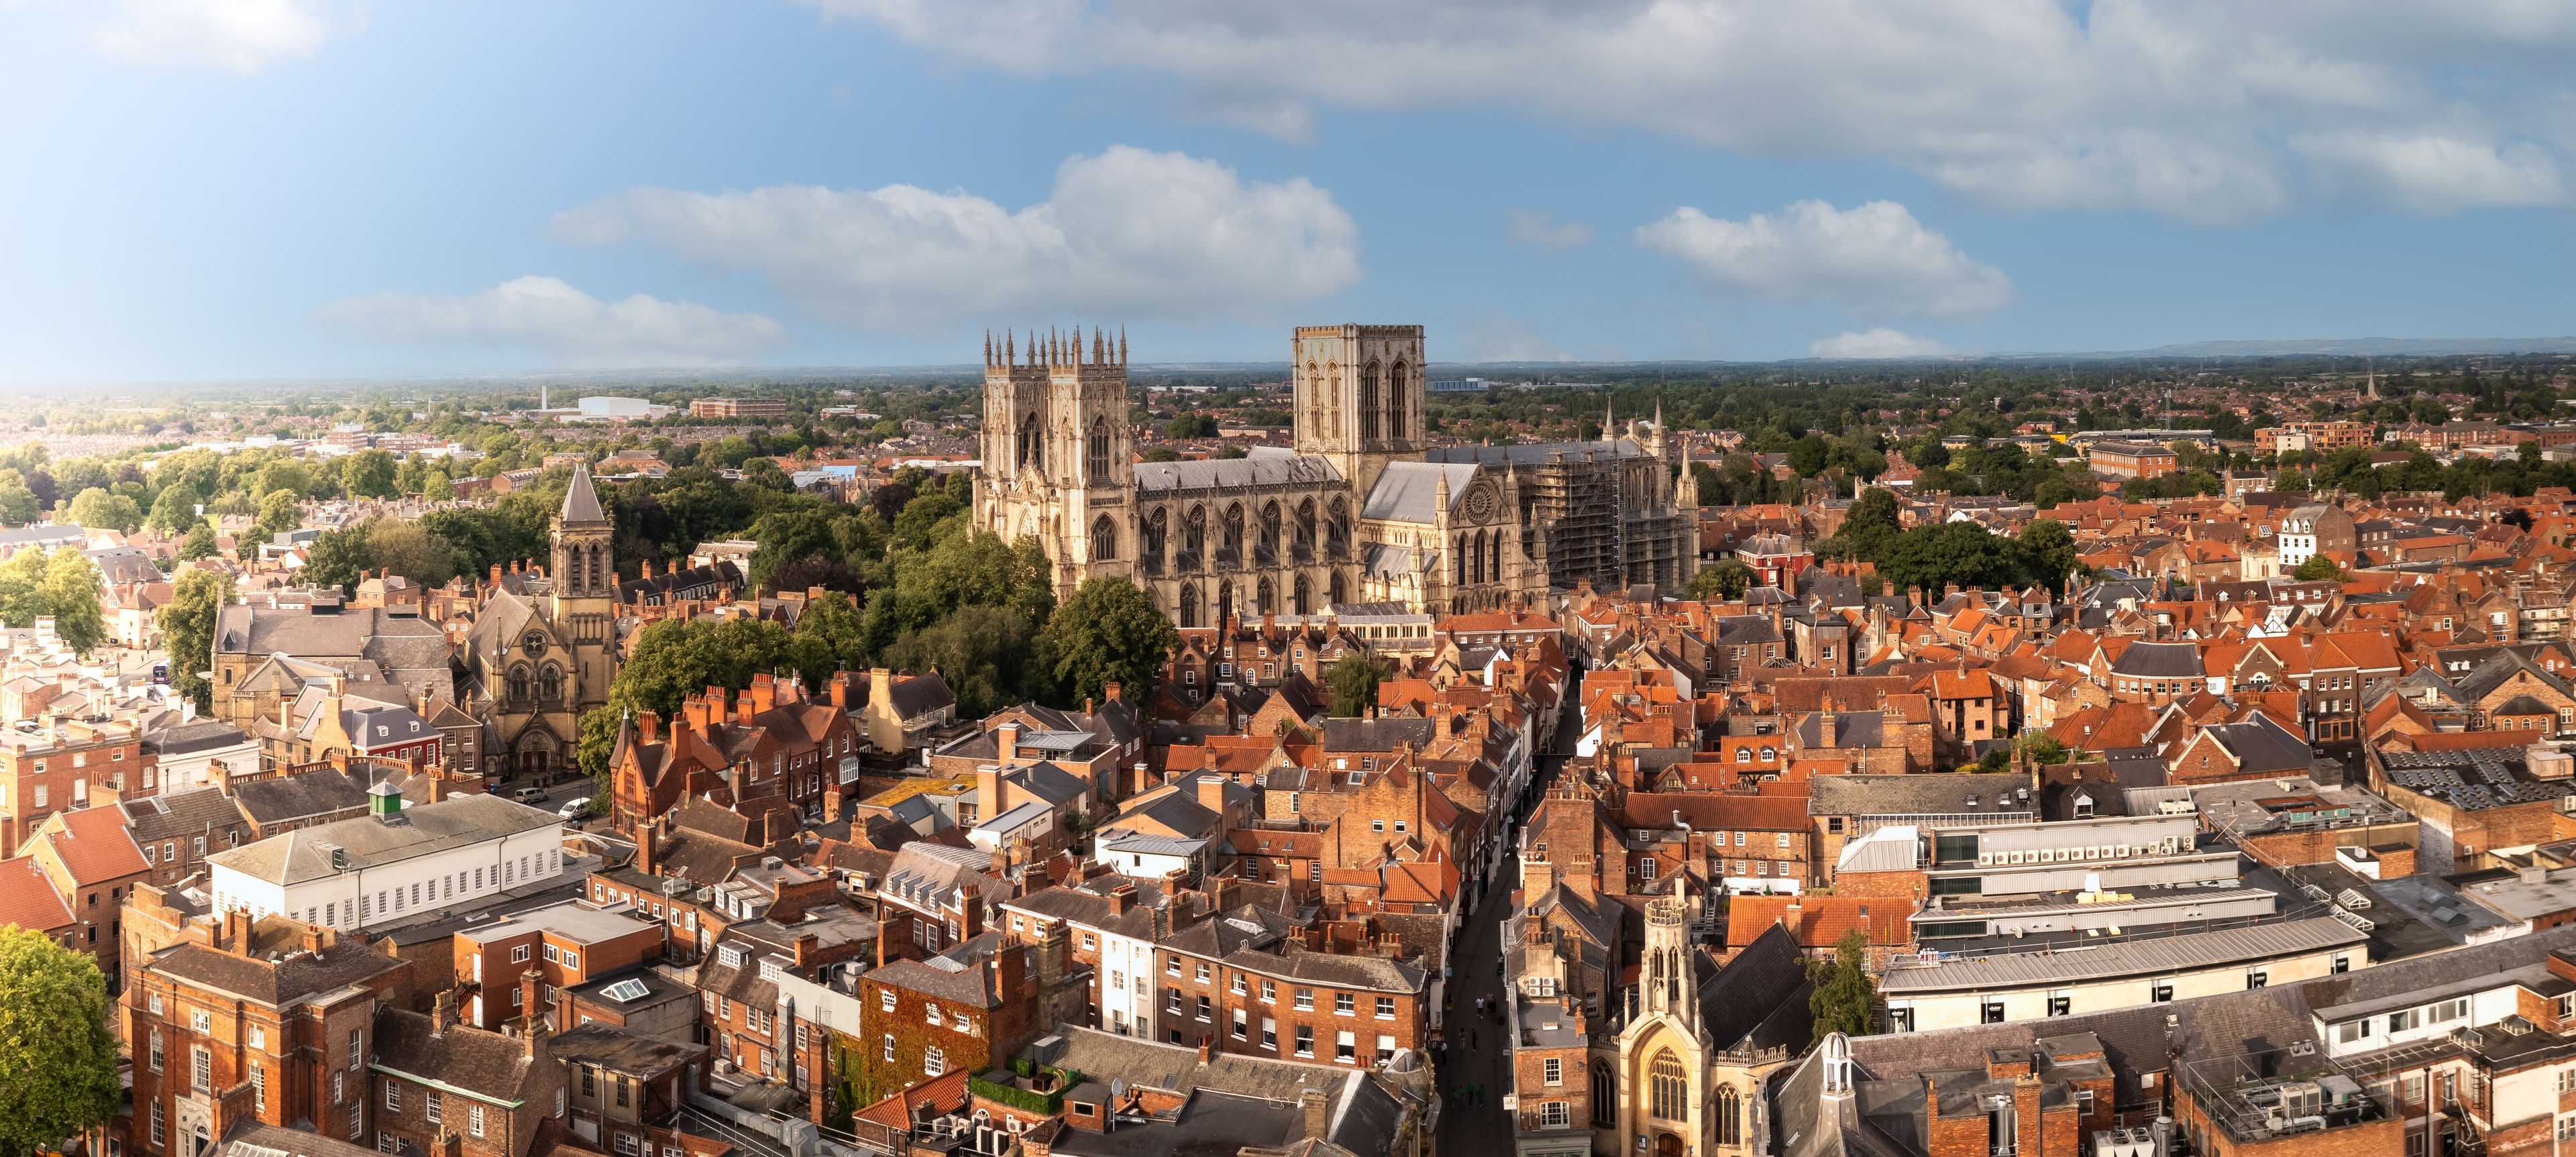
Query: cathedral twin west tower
{"type": "Point", "coordinates": [1357, 511]}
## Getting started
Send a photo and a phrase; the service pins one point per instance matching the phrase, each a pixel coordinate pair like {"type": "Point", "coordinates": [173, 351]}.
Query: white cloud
{"type": "Point", "coordinates": [2182, 108]}
{"type": "Point", "coordinates": [1126, 234]}
{"type": "Point", "coordinates": [1874, 259]}
{"type": "Point", "coordinates": [1541, 228]}
{"type": "Point", "coordinates": [1878, 342]}
{"type": "Point", "coordinates": [2433, 174]}
{"type": "Point", "coordinates": [568, 326]}
{"type": "Point", "coordinates": [242, 36]}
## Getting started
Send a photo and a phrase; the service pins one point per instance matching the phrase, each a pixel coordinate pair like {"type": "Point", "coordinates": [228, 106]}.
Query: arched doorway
{"type": "Point", "coordinates": [534, 754]}
{"type": "Point", "coordinates": [1667, 1145]}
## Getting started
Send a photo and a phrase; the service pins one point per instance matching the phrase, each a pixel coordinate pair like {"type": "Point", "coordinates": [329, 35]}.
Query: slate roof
{"type": "Point", "coordinates": [1252, 470]}
{"type": "Point", "coordinates": [1861, 795]}
{"type": "Point", "coordinates": [294, 797]}
{"type": "Point", "coordinates": [1362, 1114]}
{"type": "Point", "coordinates": [292, 978]}
{"type": "Point", "coordinates": [2162, 954]}
{"type": "Point", "coordinates": [200, 735]}
{"type": "Point", "coordinates": [1377, 734]}
{"type": "Point", "coordinates": [2260, 744]}
{"type": "Point", "coordinates": [2159, 661]}
{"type": "Point", "coordinates": [1536, 453]}
{"type": "Point", "coordinates": [304, 854]}
{"type": "Point", "coordinates": [1410, 491]}
{"type": "Point", "coordinates": [177, 815]}
{"type": "Point", "coordinates": [581, 501]}
{"type": "Point", "coordinates": [1757, 983]}
{"type": "Point", "coordinates": [476, 1060]}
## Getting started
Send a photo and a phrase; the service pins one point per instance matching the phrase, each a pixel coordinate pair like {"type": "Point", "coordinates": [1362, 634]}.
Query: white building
{"type": "Point", "coordinates": [199, 753]}
{"type": "Point", "coordinates": [393, 863]}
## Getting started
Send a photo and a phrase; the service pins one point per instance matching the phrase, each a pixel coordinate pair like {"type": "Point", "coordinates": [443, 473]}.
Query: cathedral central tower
{"type": "Point", "coordinates": [1359, 391]}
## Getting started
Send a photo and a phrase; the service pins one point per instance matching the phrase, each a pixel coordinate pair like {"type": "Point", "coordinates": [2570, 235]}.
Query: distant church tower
{"type": "Point", "coordinates": [583, 598]}
{"type": "Point", "coordinates": [1059, 460]}
{"type": "Point", "coordinates": [1359, 391]}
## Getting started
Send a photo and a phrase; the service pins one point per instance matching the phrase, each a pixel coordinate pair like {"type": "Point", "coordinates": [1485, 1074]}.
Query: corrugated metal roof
{"type": "Point", "coordinates": [2165, 954]}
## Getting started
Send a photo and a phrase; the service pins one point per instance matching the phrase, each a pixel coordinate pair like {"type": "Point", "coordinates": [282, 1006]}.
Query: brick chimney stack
{"type": "Point", "coordinates": [1006, 744]}
{"type": "Point", "coordinates": [530, 985]}
{"type": "Point", "coordinates": [1312, 1104]}
{"type": "Point", "coordinates": [442, 1015]}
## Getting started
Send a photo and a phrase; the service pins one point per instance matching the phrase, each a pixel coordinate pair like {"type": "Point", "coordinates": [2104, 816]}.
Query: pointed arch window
{"type": "Point", "coordinates": [1368, 402]}
{"type": "Point", "coordinates": [517, 685]}
{"type": "Point", "coordinates": [1605, 1096]}
{"type": "Point", "coordinates": [1104, 539]}
{"type": "Point", "coordinates": [1269, 596]}
{"type": "Point", "coordinates": [1396, 395]}
{"type": "Point", "coordinates": [1232, 547]}
{"type": "Point", "coordinates": [1670, 1089]}
{"type": "Point", "coordinates": [1190, 604]}
{"type": "Point", "coordinates": [1095, 458]}
{"type": "Point", "coordinates": [1341, 589]}
{"type": "Point", "coordinates": [550, 686]}
{"type": "Point", "coordinates": [1730, 1117]}
{"type": "Point", "coordinates": [1305, 604]}
{"type": "Point", "coordinates": [1032, 443]}
{"type": "Point", "coordinates": [1157, 528]}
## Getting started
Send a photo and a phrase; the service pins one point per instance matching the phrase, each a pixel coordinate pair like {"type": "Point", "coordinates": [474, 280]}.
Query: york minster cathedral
{"type": "Point", "coordinates": [1358, 510]}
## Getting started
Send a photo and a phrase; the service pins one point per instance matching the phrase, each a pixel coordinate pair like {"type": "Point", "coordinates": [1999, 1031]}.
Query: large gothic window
{"type": "Point", "coordinates": [1671, 1089]}
{"type": "Point", "coordinates": [1476, 559]}
{"type": "Point", "coordinates": [1095, 459]}
{"type": "Point", "coordinates": [1194, 537]}
{"type": "Point", "coordinates": [1225, 608]}
{"type": "Point", "coordinates": [1458, 562]}
{"type": "Point", "coordinates": [1269, 533]}
{"type": "Point", "coordinates": [1232, 547]}
{"type": "Point", "coordinates": [517, 685]}
{"type": "Point", "coordinates": [1396, 418]}
{"type": "Point", "coordinates": [550, 686]}
{"type": "Point", "coordinates": [1104, 539]}
{"type": "Point", "coordinates": [1157, 528]}
{"type": "Point", "coordinates": [1337, 529]}
{"type": "Point", "coordinates": [1730, 1117]}
{"type": "Point", "coordinates": [1306, 529]}
{"type": "Point", "coordinates": [1605, 1096]}
{"type": "Point", "coordinates": [1494, 558]}
{"type": "Point", "coordinates": [1305, 596]}
{"type": "Point", "coordinates": [1368, 402]}
{"type": "Point", "coordinates": [1189, 604]}
{"type": "Point", "coordinates": [1341, 589]}
{"type": "Point", "coordinates": [1032, 445]}
{"type": "Point", "coordinates": [1269, 604]}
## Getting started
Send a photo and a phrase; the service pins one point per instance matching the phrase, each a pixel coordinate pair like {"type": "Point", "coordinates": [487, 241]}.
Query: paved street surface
{"type": "Point", "coordinates": [1478, 1051]}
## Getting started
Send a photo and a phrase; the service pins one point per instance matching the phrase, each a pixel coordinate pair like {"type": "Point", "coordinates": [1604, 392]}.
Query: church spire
{"type": "Point", "coordinates": [581, 502]}
{"type": "Point", "coordinates": [1608, 416]}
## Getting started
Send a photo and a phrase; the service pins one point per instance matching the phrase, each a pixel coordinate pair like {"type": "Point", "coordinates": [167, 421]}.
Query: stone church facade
{"type": "Point", "coordinates": [543, 646]}
{"type": "Point", "coordinates": [1352, 513]}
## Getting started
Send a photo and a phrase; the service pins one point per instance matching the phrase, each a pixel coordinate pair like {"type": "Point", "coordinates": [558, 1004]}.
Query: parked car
{"type": "Point", "coordinates": [574, 809]}
{"type": "Point", "coordinates": [528, 795]}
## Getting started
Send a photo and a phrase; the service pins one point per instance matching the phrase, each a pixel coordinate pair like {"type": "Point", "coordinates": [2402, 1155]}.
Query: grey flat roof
{"type": "Point", "coordinates": [2129, 958]}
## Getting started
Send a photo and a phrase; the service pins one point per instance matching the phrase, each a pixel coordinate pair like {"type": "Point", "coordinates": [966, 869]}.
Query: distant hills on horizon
{"type": "Point", "coordinates": [1578, 371]}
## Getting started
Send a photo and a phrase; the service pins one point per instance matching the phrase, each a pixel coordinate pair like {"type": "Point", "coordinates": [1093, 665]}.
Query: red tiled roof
{"type": "Point", "coordinates": [95, 846]}
{"type": "Point", "coordinates": [1822, 920]}
{"type": "Point", "coordinates": [28, 899]}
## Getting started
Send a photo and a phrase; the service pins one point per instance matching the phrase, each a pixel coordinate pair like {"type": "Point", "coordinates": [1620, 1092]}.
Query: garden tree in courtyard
{"type": "Point", "coordinates": [70, 594]}
{"type": "Point", "coordinates": [1844, 1001]}
{"type": "Point", "coordinates": [1354, 679]}
{"type": "Point", "coordinates": [188, 630]}
{"type": "Point", "coordinates": [1108, 632]}
{"type": "Point", "coordinates": [200, 543]}
{"type": "Point", "coordinates": [337, 558]}
{"type": "Point", "coordinates": [1724, 581]}
{"type": "Point", "coordinates": [369, 474]}
{"type": "Point", "coordinates": [2318, 568]}
{"type": "Point", "coordinates": [2047, 551]}
{"type": "Point", "coordinates": [987, 655]}
{"type": "Point", "coordinates": [97, 509]}
{"type": "Point", "coordinates": [57, 1059]}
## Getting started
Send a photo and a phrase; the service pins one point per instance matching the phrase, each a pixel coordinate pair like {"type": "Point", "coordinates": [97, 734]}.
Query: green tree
{"type": "Point", "coordinates": [595, 740]}
{"type": "Point", "coordinates": [2318, 568]}
{"type": "Point", "coordinates": [369, 474]}
{"type": "Point", "coordinates": [18, 505]}
{"type": "Point", "coordinates": [70, 595]}
{"type": "Point", "coordinates": [2047, 552]}
{"type": "Point", "coordinates": [786, 536]}
{"type": "Point", "coordinates": [57, 1058]}
{"type": "Point", "coordinates": [411, 550]}
{"type": "Point", "coordinates": [200, 542]}
{"type": "Point", "coordinates": [674, 658]}
{"type": "Point", "coordinates": [1874, 518]}
{"type": "Point", "coordinates": [831, 635]}
{"type": "Point", "coordinates": [188, 630]}
{"type": "Point", "coordinates": [174, 510]}
{"type": "Point", "coordinates": [279, 511]}
{"type": "Point", "coordinates": [1108, 632]}
{"type": "Point", "coordinates": [1724, 581]}
{"type": "Point", "coordinates": [987, 654]}
{"type": "Point", "coordinates": [22, 582]}
{"type": "Point", "coordinates": [98, 508]}
{"type": "Point", "coordinates": [918, 525]}
{"type": "Point", "coordinates": [338, 558]}
{"type": "Point", "coordinates": [437, 487]}
{"type": "Point", "coordinates": [1354, 679]}
{"type": "Point", "coordinates": [1844, 1000]}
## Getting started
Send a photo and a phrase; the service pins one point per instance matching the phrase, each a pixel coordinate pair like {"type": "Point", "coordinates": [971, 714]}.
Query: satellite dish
{"type": "Point", "coordinates": [1117, 1089]}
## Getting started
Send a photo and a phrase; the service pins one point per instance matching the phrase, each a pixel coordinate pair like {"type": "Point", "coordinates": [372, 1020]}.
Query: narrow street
{"type": "Point", "coordinates": [1479, 1054]}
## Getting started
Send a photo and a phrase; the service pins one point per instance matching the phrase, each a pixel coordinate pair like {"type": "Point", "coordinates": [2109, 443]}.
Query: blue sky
{"type": "Point", "coordinates": [251, 188]}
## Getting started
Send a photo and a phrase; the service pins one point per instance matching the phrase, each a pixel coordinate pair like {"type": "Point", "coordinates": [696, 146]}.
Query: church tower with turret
{"type": "Point", "coordinates": [1059, 456]}
{"type": "Point", "coordinates": [582, 603]}
{"type": "Point", "coordinates": [1358, 396]}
